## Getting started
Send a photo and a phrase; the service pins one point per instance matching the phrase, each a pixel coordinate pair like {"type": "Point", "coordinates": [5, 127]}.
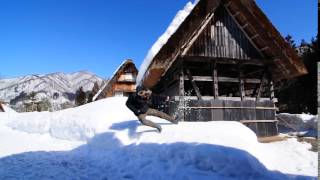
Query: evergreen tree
{"type": "Point", "coordinates": [81, 98]}
{"type": "Point", "coordinates": [300, 94]}
{"type": "Point", "coordinates": [290, 40]}
{"type": "Point", "coordinates": [93, 92]}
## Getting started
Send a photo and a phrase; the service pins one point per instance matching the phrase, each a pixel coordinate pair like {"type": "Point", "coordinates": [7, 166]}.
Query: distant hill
{"type": "Point", "coordinates": [57, 88]}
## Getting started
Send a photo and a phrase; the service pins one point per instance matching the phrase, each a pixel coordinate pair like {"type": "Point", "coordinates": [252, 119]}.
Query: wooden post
{"type": "Point", "coordinates": [241, 85]}
{"type": "Point", "coordinates": [271, 87]}
{"type": "Point", "coordinates": [194, 85]}
{"type": "Point", "coordinates": [181, 96]}
{"type": "Point", "coordinates": [258, 89]}
{"type": "Point", "coordinates": [215, 81]}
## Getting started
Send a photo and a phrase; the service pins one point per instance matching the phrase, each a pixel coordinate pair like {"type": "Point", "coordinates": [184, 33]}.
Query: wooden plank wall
{"type": "Point", "coordinates": [223, 39]}
{"type": "Point", "coordinates": [263, 129]}
{"type": "Point", "coordinates": [239, 110]}
{"type": "Point", "coordinates": [217, 110]}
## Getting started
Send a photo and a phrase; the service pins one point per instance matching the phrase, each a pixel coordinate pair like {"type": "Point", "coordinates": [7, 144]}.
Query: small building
{"type": "Point", "coordinates": [221, 64]}
{"type": "Point", "coordinates": [121, 83]}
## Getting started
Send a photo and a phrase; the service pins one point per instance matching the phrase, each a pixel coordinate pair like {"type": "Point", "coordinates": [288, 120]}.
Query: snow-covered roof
{"type": "Point", "coordinates": [176, 22]}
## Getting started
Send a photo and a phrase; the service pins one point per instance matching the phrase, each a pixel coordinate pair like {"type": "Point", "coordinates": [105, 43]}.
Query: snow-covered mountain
{"type": "Point", "coordinates": [58, 88]}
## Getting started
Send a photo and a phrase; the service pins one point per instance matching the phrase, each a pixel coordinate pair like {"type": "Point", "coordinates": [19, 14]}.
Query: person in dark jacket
{"type": "Point", "coordinates": [141, 101]}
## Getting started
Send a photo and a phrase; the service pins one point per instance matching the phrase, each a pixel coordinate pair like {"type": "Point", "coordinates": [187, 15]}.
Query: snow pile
{"type": "Point", "coordinates": [79, 124]}
{"type": "Point", "coordinates": [104, 140]}
{"type": "Point", "coordinates": [303, 123]}
{"type": "Point", "coordinates": [176, 22]}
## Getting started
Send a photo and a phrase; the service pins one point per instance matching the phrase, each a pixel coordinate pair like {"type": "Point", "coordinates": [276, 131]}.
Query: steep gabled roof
{"type": "Point", "coordinates": [284, 62]}
{"type": "Point", "coordinates": [106, 87]}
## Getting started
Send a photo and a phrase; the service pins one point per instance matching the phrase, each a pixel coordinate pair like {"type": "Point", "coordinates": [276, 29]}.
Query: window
{"type": "Point", "coordinates": [127, 77]}
{"type": "Point", "coordinates": [118, 94]}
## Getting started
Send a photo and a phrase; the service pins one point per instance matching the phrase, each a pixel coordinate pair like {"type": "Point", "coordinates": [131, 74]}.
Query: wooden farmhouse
{"type": "Point", "coordinates": [121, 83]}
{"type": "Point", "coordinates": [222, 63]}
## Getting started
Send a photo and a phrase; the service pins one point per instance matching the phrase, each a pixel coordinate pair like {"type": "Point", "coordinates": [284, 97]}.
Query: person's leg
{"type": "Point", "coordinates": [154, 112]}
{"type": "Point", "coordinates": [144, 121]}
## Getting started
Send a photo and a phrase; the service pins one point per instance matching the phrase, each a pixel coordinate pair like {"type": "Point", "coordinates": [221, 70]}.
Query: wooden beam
{"type": "Point", "coordinates": [257, 121]}
{"type": "Point", "coordinates": [181, 83]}
{"type": "Point", "coordinates": [194, 85]}
{"type": "Point", "coordinates": [231, 107]}
{"type": "Point", "coordinates": [236, 80]}
{"type": "Point", "coordinates": [241, 85]}
{"type": "Point", "coordinates": [255, 36]}
{"type": "Point", "coordinates": [258, 89]}
{"type": "Point", "coordinates": [245, 25]}
{"type": "Point", "coordinates": [223, 79]}
{"type": "Point", "coordinates": [210, 98]}
{"type": "Point", "coordinates": [181, 95]}
{"type": "Point", "coordinates": [215, 81]}
{"type": "Point", "coordinates": [236, 14]}
{"type": "Point", "coordinates": [271, 87]}
{"type": "Point", "coordinates": [255, 62]}
{"type": "Point", "coordinates": [254, 72]}
{"type": "Point", "coordinates": [263, 49]}
{"type": "Point", "coordinates": [200, 78]}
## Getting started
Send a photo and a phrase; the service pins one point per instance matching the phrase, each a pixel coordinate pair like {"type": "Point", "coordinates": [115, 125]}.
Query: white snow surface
{"type": "Point", "coordinates": [104, 140]}
{"type": "Point", "coordinates": [175, 24]}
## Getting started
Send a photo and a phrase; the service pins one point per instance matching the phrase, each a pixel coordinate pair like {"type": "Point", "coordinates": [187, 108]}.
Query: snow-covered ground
{"type": "Point", "coordinates": [104, 140]}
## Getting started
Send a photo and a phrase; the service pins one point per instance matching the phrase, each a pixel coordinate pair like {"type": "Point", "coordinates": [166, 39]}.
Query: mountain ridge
{"type": "Point", "coordinates": [58, 87]}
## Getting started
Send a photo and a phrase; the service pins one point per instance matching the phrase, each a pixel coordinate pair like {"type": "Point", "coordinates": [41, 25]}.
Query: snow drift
{"type": "Point", "coordinates": [80, 123]}
{"type": "Point", "coordinates": [104, 140]}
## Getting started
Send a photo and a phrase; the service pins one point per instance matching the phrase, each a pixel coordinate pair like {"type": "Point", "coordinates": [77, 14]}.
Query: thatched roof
{"type": "Point", "coordinates": [283, 63]}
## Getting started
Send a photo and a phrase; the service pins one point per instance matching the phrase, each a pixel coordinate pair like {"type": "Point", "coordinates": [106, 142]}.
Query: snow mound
{"type": "Point", "coordinates": [176, 22]}
{"type": "Point", "coordinates": [109, 143]}
{"type": "Point", "coordinates": [79, 123]}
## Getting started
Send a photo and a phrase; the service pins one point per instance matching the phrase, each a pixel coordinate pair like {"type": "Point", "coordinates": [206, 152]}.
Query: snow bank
{"type": "Point", "coordinates": [79, 123]}
{"type": "Point", "coordinates": [299, 122]}
{"type": "Point", "coordinates": [114, 145]}
{"type": "Point", "coordinates": [176, 22]}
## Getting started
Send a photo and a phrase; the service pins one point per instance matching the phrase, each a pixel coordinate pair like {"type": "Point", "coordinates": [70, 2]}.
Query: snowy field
{"type": "Point", "coordinates": [104, 140]}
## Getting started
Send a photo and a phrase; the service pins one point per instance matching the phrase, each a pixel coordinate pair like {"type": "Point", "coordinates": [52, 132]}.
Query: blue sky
{"type": "Point", "coordinates": [45, 36]}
